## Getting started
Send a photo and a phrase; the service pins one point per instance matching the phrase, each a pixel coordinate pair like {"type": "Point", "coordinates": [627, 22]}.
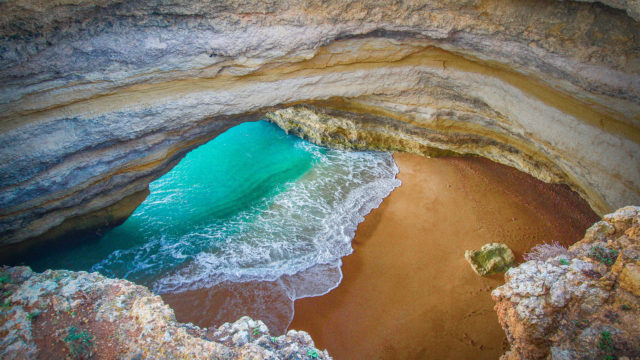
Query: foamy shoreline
{"type": "Point", "coordinates": [407, 291]}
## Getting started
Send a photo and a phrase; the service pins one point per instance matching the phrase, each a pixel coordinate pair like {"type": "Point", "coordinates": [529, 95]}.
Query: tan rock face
{"type": "Point", "coordinates": [632, 7]}
{"type": "Point", "coordinates": [97, 101]}
{"type": "Point", "coordinates": [630, 278]}
{"type": "Point", "coordinates": [581, 305]}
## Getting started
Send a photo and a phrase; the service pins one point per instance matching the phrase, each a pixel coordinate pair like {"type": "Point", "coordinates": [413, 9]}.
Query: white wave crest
{"type": "Point", "coordinates": [298, 237]}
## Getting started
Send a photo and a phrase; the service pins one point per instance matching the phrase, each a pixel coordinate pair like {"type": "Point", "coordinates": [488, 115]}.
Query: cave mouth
{"type": "Point", "coordinates": [255, 204]}
{"type": "Point", "coordinates": [406, 259]}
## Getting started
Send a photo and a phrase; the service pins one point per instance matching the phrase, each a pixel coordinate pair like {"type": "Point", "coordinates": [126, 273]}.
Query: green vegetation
{"type": "Point", "coordinates": [606, 345]}
{"type": "Point", "coordinates": [33, 315]}
{"type": "Point", "coordinates": [312, 354]}
{"type": "Point", "coordinates": [490, 259]}
{"type": "Point", "coordinates": [78, 342]}
{"type": "Point", "coordinates": [626, 307]}
{"type": "Point", "coordinates": [604, 255]}
{"type": "Point", "coordinates": [256, 331]}
{"type": "Point", "coordinates": [564, 261]}
{"type": "Point", "coordinates": [6, 305]}
{"type": "Point", "coordinates": [4, 278]}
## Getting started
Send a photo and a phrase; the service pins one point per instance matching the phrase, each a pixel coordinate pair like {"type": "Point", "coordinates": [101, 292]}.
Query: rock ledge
{"type": "Point", "coordinates": [583, 305]}
{"type": "Point", "coordinates": [80, 315]}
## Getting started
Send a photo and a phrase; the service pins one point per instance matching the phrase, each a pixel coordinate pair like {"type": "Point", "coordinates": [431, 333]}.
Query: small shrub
{"type": "Point", "coordinates": [604, 255]}
{"type": "Point", "coordinates": [4, 278]}
{"type": "Point", "coordinates": [606, 345]}
{"type": "Point", "coordinates": [605, 342]}
{"type": "Point", "coordinates": [543, 252]}
{"type": "Point", "coordinates": [564, 261]}
{"type": "Point", "coordinates": [78, 342]}
{"type": "Point", "coordinates": [312, 354]}
{"type": "Point", "coordinates": [6, 305]}
{"type": "Point", "coordinates": [256, 331]}
{"type": "Point", "coordinates": [33, 315]}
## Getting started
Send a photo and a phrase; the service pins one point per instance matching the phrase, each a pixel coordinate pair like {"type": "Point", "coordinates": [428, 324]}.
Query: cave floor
{"type": "Point", "coordinates": [408, 292]}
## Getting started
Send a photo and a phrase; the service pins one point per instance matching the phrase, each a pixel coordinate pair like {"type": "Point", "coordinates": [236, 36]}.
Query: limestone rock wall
{"type": "Point", "coordinates": [82, 315]}
{"type": "Point", "coordinates": [98, 98]}
{"type": "Point", "coordinates": [581, 305]}
{"type": "Point", "coordinates": [632, 7]}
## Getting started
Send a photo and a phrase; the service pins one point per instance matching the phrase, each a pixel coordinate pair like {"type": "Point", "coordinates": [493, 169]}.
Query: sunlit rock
{"type": "Point", "coordinates": [490, 259]}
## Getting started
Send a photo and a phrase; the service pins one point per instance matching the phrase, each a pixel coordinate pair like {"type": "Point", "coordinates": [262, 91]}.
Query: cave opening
{"type": "Point", "coordinates": [198, 239]}
{"type": "Point", "coordinates": [508, 123]}
{"type": "Point", "coordinates": [254, 206]}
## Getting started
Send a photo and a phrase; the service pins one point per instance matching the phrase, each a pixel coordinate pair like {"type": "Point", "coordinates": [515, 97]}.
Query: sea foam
{"type": "Point", "coordinates": [254, 204]}
{"type": "Point", "coordinates": [307, 226]}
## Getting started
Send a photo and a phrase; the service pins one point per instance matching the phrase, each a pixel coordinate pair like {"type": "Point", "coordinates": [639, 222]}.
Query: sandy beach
{"type": "Point", "coordinates": [408, 292]}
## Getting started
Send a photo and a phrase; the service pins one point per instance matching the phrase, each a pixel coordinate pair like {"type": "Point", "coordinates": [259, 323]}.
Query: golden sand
{"type": "Point", "coordinates": [408, 292]}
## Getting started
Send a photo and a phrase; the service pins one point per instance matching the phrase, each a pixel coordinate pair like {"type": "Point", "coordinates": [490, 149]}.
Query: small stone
{"type": "Point", "coordinates": [240, 338]}
{"type": "Point", "coordinates": [622, 219]}
{"type": "Point", "coordinates": [167, 337]}
{"type": "Point", "coordinates": [630, 279]}
{"type": "Point", "coordinates": [490, 259]}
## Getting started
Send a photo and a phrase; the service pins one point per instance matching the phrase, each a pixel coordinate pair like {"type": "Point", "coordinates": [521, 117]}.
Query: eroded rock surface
{"type": "Point", "coordinates": [632, 7]}
{"type": "Point", "coordinates": [584, 305]}
{"type": "Point", "coordinates": [490, 259]}
{"type": "Point", "coordinates": [97, 99]}
{"type": "Point", "coordinates": [78, 314]}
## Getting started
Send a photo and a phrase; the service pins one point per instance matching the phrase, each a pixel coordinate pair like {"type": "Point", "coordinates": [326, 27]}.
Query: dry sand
{"type": "Point", "coordinates": [408, 292]}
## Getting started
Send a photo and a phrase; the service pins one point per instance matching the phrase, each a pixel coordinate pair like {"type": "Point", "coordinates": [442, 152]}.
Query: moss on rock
{"type": "Point", "coordinates": [490, 259]}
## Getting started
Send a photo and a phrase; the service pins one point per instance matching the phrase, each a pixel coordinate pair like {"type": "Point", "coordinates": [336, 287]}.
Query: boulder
{"type": "Point", "coordinates": [585, 307]}
{"type": "Point", "coordinates": [86, 315]}
{"type": "Point", "coordinates": [490, 259]}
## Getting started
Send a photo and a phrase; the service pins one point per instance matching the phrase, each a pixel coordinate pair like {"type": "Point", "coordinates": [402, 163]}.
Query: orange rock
{"type": "Point", "coordinates": [630, 279]}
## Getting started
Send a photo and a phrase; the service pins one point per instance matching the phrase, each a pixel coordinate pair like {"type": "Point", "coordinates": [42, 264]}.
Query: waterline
{"type": "Point", "coordinates": [254, 204]}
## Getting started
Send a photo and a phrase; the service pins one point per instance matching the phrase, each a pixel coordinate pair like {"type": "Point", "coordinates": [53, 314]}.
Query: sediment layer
{"type": "Point", "coordinates": [97, 100]}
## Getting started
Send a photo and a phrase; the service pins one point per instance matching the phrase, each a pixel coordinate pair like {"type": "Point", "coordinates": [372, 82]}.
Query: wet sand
{"type": "Point", "coordinates": [228, 302]}
{"type": "Point", "coordinates": [408, 292]}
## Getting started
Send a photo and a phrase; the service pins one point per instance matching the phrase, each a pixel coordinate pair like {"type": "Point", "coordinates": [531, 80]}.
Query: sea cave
{"type": "Point", "coordinates": [303, 179]}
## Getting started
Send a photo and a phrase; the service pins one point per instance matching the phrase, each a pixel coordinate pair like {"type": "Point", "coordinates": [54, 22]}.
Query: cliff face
{"type": "Point", "coordinates": [583, 304]}
{"type": "Point", "coordinates": [98, 98]}
{"type": "Point", "coordinates": [79, 315]}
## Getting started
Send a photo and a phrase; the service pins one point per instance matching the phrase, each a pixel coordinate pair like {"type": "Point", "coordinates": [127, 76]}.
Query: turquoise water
{"type": "Point", "coordinates": [252, 204]}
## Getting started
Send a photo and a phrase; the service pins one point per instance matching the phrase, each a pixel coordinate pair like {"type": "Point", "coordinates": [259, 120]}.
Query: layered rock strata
{"type": "Point", "coordinates": [632, 7]}
{"type": "Point", "coordinates": [82, 315]}
{"type": "Point", "coordinates": [581, 305]}
{"type": "Point", "coordinates": [100, 98]}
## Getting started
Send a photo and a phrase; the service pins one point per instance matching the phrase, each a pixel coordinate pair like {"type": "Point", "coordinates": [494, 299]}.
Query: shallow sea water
{"type": "Point", "coordinates": [254, 204]}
